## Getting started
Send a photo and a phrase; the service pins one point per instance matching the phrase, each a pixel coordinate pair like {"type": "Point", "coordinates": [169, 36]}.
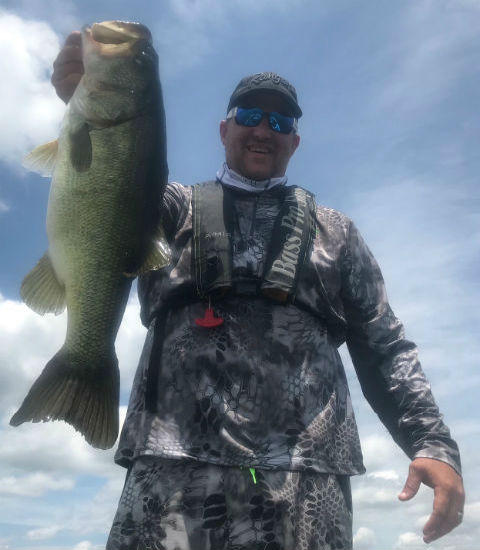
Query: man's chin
{"type": "Point", "coordinates": [257, 175]}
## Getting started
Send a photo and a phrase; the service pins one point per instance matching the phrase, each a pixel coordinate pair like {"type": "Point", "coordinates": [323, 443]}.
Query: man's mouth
{"type": "Point", "coordinates": [259, 149]}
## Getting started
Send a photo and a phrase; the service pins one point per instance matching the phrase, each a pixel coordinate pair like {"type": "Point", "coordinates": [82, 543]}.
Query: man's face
{"type": "Point", "coordinates": [257, 152]}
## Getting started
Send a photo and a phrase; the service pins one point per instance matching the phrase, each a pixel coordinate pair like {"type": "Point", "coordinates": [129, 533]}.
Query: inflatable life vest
{"type": "Point", "coordinates": [290, 244]}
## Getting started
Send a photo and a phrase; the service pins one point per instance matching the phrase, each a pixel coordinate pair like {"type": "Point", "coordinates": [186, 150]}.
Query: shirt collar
{"type": "Point", "coordinates": [229, 177]}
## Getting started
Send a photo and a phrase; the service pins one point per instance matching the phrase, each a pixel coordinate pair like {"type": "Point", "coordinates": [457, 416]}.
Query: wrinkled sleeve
{"type": "Point", "coordinates": [174, 210]}
{"type": "Point", "coordinates": [386, 362]}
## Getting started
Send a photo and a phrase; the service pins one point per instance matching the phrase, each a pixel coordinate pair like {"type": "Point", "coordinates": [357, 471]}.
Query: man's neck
{"type": "Point", "coordinates": [229, 177]}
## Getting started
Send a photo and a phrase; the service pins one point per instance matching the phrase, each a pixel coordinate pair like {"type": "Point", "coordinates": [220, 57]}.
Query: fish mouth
{"type": "Point", "coordinates": [118, 32]}
{"type": "Point", "coordinates": [113, 38]}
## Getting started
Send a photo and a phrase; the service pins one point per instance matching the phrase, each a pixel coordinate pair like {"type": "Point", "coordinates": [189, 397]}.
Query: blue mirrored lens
{"type": "Point", "coordinates": [277, 124]}
{"type": "Point", "coordinates": [253, 117]}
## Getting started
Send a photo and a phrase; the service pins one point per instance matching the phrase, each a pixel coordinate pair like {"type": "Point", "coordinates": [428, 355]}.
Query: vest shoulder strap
{"type": "Point", "coordinates": [212, 241]}
{"type": "Point", "coordinates": [290, 246]}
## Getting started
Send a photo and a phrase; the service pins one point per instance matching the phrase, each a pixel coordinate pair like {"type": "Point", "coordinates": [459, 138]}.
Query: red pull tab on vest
{"type": "Point", "coordinates": [209, 320]}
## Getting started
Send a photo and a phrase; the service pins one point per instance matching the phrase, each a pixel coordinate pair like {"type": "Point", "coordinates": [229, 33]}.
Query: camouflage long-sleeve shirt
{"type": "Point", "coordinates": [267, 388]}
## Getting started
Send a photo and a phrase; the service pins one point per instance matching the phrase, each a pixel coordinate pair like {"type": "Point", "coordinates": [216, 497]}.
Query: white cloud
{"type": "Point", "coordinates": [4, 207]}
{"type": "Point", "coordinates": [467, 535]}
{"type": "Point", "coordinates": [472, 513]}
{"type": "Point", "coordinates": [421, 521]}
{"type": "Point", "coordinates": [380, 451]}
{"type": "Point", "coordinates": [36, 459]}
{"type": "Point", "coordinates": [364, 538]}
{"type": "Point", "coordinates": [80, 512]}
{"type": "Point", "coordinates": [85, 545]}
{"type": "Point", "coordinates": [96, 515]}
{"type": "Point", "coordinates": [34, 484]}
{"type": "Point", "coordinates": [52, 446]}
{"type": "Point", "coordinates": [30, 111]}
{"type": "Point", "coordinates": [409, 540]}
{"type": "Point", "coordinates": [387, 475]}
{"type": "Point", "coordinates": [21, 364]}
{"type": "Point", "coordinates": [371, 496]}
{"type": "Point", "coordinates": [43, 532]}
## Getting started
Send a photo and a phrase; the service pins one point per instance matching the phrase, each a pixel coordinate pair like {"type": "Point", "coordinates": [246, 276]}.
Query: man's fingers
{"type": "Point", "coordinates": [62, 71]}
{"type": "Point", "coordinates": [444, 518]}
{"type": "Point", "coordinates": [68, 67]}
{"type": "Point", "coordinates": [437, 524]}
{"type": "Point", "coordinates": [68, 54]}
{"type": "Point", "coordinates": [74, 39]}
{"type": "Point", "coordinates": [447, 513]}
{"type": "Point", "coordinates": [67, 86]}
{"type": "Point", "coordinates": [411, 485]}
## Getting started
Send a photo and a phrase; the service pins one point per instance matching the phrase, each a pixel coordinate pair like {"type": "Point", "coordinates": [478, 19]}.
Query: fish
{"type": "Point", "coordinates": [109, 170]}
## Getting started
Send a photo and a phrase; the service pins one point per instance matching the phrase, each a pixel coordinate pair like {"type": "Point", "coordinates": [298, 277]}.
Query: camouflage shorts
{"type": "Point", "coordinates": [186, 505]}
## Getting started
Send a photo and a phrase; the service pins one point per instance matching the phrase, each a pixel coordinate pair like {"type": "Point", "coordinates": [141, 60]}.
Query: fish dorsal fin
{"type": "Point", "coordinates": [158, 255]}
{"type": "Point", "coordinates": [81, 148]}
{"type": "Point", "coordinates": [41, 290]}
{"type": "Point", "coordinates": [42, 159]}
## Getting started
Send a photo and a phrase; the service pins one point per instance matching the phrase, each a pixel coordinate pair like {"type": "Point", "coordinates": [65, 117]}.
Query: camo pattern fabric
{"type": "Point", "coordinates": [267, 388]}
{"type": "Point", "coordinates": [187, 505]}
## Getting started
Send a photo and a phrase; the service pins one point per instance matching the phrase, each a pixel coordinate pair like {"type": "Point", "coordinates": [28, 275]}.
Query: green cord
{"type": "Point", "coordinates": [252, 471]}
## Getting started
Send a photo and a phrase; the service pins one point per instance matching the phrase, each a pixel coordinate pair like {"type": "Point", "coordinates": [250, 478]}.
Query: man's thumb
{"type": "Point", "coordinates": [411, 485]}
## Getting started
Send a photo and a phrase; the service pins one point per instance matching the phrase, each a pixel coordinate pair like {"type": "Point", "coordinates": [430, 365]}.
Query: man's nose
{"type": "Point", "coordinates": [263, 130]}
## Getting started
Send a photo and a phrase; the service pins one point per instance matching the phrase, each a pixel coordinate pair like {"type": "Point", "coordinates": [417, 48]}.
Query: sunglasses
{"type": "Point", "coordinates": [252, 117]}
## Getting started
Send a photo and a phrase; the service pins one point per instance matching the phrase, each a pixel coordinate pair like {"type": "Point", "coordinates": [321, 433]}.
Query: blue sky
{"type": "Point", "coordinates": [389, 136]}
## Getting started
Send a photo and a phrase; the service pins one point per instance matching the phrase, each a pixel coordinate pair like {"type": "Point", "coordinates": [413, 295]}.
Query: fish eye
{"type": "Point", "coordinates": [145, 56]}
{"type": "Point", "coordinates": [141, 58]}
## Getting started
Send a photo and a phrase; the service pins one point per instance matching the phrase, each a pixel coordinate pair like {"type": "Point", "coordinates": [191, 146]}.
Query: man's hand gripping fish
{"type": "Point", "coordinates": [109, 171]}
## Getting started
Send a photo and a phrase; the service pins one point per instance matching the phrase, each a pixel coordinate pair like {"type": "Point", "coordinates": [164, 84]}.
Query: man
{"type": "Point", "coordinates": [240, 432]}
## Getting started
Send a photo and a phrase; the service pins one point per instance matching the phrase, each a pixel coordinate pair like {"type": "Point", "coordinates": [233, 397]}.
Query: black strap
{"type": "Point", "coordinates": [212, 239]}
{"type": "Point", "coordinates": [292, 237]}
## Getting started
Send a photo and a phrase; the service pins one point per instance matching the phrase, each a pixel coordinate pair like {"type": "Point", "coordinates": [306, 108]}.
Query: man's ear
{"type": "Point", "coordinates": [295, 144]}
{"type": "Point", "coordinates": [223, 130]}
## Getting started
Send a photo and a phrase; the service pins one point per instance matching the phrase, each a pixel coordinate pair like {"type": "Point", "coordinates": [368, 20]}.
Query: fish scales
{"type": "Point", "coordinates": [102, 224]}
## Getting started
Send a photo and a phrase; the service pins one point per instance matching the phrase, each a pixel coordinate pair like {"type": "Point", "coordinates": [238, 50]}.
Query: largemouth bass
{"type": "Point", "coordinates": [109, 171]}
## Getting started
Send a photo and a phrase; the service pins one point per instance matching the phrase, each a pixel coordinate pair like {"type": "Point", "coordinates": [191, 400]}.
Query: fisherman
{"type": "Point", "coordinates": [240, 431]}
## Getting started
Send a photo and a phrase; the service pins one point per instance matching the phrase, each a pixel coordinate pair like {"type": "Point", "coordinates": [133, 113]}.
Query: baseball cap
{"type": "Point", "coordinates": [265, 82]}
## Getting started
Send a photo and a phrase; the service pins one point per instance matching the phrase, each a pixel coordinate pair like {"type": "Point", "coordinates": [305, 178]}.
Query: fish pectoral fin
{"type": "Point", "coordinates": [83, 394]}
{"type": "Point", "coordinates": [41, 289]}
{"type": "Point", "coordinates": [42, 159]}
{"type": "Point", "coordinates": [81, 148]}
{"type": "Point", "coordinates": [158, 256]}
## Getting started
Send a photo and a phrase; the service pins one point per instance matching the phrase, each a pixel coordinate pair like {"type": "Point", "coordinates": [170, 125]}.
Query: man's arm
{"type": "Point", "coordinates": [393, 382]}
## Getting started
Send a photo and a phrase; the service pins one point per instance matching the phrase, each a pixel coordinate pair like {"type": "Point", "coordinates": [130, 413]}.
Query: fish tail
{"type": "Point", "coordinates": [86, 396]}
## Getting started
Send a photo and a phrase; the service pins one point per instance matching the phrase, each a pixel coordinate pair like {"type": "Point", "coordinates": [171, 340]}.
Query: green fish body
{"type": "Point", "coordinates": [109, 171]}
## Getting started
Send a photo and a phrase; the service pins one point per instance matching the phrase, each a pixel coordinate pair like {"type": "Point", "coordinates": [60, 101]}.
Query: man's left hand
{"type": "Point", "coordinates": [449, 495]}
